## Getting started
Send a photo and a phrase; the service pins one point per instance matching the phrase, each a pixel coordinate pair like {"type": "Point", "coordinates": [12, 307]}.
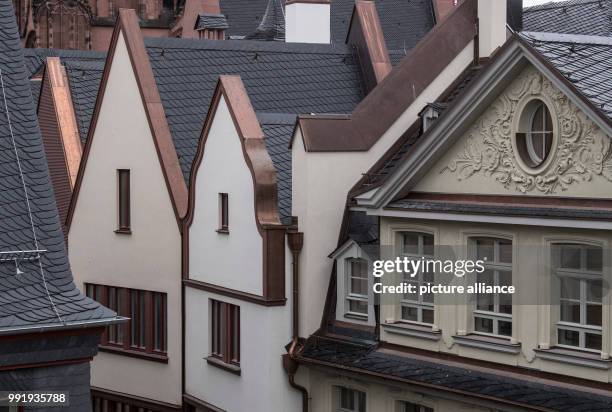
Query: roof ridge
{"type": "Point", "coordinates": [566, 38]}
{"type": "Point", "coordinates": [551, 5]}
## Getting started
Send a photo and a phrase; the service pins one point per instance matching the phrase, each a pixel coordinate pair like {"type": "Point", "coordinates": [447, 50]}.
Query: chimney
{"type": "Point", "coordinates": [307, 21]}
{"type": "Point", "coordinates": [491, 26]}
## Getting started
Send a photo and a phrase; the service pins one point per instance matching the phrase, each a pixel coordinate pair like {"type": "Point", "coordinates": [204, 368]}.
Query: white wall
{"type": "Point", "coordinates": [149, 258]}
{"type": "Point", "coordinates": [307, 23]}
{"type": "Point", "coordinates": [321, 181]}
{"type": "Point", "coordinates": [231, 260]}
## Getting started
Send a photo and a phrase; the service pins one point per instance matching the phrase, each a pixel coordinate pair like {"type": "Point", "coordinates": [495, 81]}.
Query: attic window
{"type": "Point", "coordinates": [123, 180]}
{"type": "Point", "coordinates": [535, 137]}
{"type": "Point", "coordinates": [223, 213]}
{"type": "Point", "coordinates": [429, 114]}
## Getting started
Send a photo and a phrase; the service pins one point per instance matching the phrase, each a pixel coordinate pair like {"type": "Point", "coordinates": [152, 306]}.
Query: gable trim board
{"type": "Point", "coordinates": [263, 173]}
{"type": "Point", "coordinates": [504, 66]}
{"type": "Point", "coordinates": [385, 103]}
{"type": "Point", "coordinates": [366, 35]}
{"type": "Point", "coordinates": [127, 26]}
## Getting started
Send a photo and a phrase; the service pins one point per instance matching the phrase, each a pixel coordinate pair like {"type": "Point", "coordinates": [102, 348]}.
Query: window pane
{"type": "Point", "coordinates": [428, 245]}
{"type": "Point", "coordinates": [570, 288]}
{"type": "Point", "coordinates": [568, 337]}
{"type": "Point", "coordinates": [158, 321]}
{"type": "Point", "coordinates": [505, 251]}
{"type": "Point", "coordinates": [134, 317]}
{"type": "Point", "coordinates": [412, 296]}
{"type": "Point", "coordinates": [504, 328]}
{"type": "Point", "coordinates": [359, 286]}
{"type": "Point", "coordinates": [594, 258]}
{"type": "Point", "coordinates": [124, 199]}
{"type": "Point", "coordinates": [592, 341]}
{"type": "Point", "coordinates": [570, 256]}
{"type": "Point", "coordinates": [594, 289]}
{"type": "Point", "coordinates": [485, 301]}
{"type": "Point", "coordinates": [120, 311]}
{"type": "Point", "coordinates": [358, 306]}
{"type": "Point", "coordinates": [361, 399]}
{"type": "Point", "coordinates": [484, 249]}
{"type": "Point", "coordinates": [347, 401]}
{"type": "Point", "coordinates": [483, 325]}
{"type": "Point", "coordinates": [142, 328]}
{"type": "Point", "coordinates": [593, 314]}
{"type": "Point", "coordinates": [410, 313]}
{"type": "Point", "coordinates": [570, 311]}
{"type": "Point", "coordinates": [428, 316]}
{"type": "Point", "coordinates": [411, 243]}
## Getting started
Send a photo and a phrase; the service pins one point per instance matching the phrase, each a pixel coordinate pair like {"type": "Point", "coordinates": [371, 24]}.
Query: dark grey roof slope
{"type": "Point", "coordinates": [370, 359]}
{"type": "Point", "coordinates": [585, 61]}
{"type": "Point", "coordinates": [211, 21]}
{"type": "Point", "coordinates": [279, 78]}
{"type": "Point", "coordinates": [404, 22]}
{"type": "Point", "coordinates": [272, 26]}
{"type": "Point", "coordinates": [278, 129]}
{"type": "Point", "coordinates": [35, 58]}
{"type": "Point", "coordinates": [84, 79]}
{"type": "Point", "coordinates": [592, 17]}
{"type": "Point", "coordinates": [30, 296]}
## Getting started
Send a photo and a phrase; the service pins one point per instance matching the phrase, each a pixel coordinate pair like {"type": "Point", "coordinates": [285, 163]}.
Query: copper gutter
{"type": "Point", "coordinates": [295, 241]}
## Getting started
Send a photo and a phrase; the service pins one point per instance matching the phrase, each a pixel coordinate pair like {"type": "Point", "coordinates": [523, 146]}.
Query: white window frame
{"type": "Point", "coordinates": [583, 275]}
{"type": "Point", "coordinates": [349, 295]}
{"type": "Point", "coordinates": [496, 266]}
{"type": "Point", "coordinates": [418, 304]}
{"type": "Point", "coordinates": [338, 404]}
{"type": "Point", "coordinates": [401, 407]}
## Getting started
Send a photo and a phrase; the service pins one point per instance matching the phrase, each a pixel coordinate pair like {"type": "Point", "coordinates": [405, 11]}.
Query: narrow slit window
{"type": "Point", "coordinates": [223, 212]}
{"type": "Point", "coordinates": [124, 199]}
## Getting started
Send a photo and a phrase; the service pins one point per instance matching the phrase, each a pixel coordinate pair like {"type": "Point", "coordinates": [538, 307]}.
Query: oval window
{"type": "Point", "coordinates": [534, 141]}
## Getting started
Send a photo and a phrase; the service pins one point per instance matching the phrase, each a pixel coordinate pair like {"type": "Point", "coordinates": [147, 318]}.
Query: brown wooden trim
{"type": "Point", "coordinates": [45, 364]}
{"type": "Point", "coordinates": [148, 355]}
{"type": "Point", "coordinates": [366, 35]}
{"type": "Point", "coordinates": [78, 330]}
{"type": "Point", "coordinates": [263, 173]}
{"type": "Point", "coordinates": [384, 104]}
{"type": "Point", "coordinates": [232, 293]}
{"type": "Point", "coordinates": [133, 400]}
{"type": "Point", "coordinates": [200, 404]}
{"type": "Point", "coordinates": [127, 25]}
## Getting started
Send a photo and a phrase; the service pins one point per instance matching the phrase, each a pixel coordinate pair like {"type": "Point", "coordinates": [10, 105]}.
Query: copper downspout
{"type": "Point", "coordinates": [295, 241]}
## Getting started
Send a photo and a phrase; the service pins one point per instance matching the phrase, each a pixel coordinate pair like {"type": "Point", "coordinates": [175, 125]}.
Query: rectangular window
{"type": "Point", "coordinates": [349, 400]}
{"type": "Point", "coordinates": [357, 286]}
{"type": "Point", "coordinates": [404, 406]}
{"type": "Point", "coordinates": [225, 332]}
{"type": "Point", "coordinates": [493, 312]}
{"type": "Point", "coordinates": [417, 307]}
{"type": "Point", "coordinates": [124, 199]}
{"type": "Point", "coordinates": [146, 330]}
{"type": "Point", "coordinates": [223, 212]}
{"type": "Point", "coordinates": [579, 272]}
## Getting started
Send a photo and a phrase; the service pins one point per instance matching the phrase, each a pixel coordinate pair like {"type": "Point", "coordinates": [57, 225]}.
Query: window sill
{"type": "Point", "coordinates": [416, 331]}
{"type": "Point", "coordinates": [218, 363]}
{"type": "Point", "coordinates": [123, 231]}
{"type": "Point", "coordinates": [222, 231]}
{"type": "Point", "coordinates": [155, 357]}
{"type": "Point", "coordinates": [356, 316]}
{"type": "Point", "coordinates": [574, 357]}
{"type": "Point", "coordinates": [492, 343]}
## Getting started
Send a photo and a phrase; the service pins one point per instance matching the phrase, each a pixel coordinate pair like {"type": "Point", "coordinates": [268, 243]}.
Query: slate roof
{"type": "Point", "coordinates": [585, 61]}
{"type": "Point", "coordinates": [279, 78]}
{"type": "Point", "coordinates": [272, 25]}
{"type": "Point", "coordinates": [84, 79]}
{"type": "Point", "coordinates": [591, 17]}
{"type": "Point", "coordinates": [24, 300]}
{"type": "Point", "coordinates": [211, 21]}
{"type": "Point", "coordinates": [373, 359]}
{"type": "Point", "coordinates": [35, 58]}
{"type": "Point", "coordinates": [404, 22]}
{"type": "Point", "coordinates": [278, 129]}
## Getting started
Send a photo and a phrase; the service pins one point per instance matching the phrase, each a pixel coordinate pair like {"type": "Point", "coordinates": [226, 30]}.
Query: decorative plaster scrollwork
{"type": "Point", "coordinates": [582, 150]}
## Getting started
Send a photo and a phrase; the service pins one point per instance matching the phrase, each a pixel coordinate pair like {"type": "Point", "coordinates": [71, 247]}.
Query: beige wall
{"type": "Point", "coordinates": [483, 160]}
{"type": "Point", "coordinates": [533, 317]}
{"type": "Point", "coordinates": [147, 259]}
{"type": "Point", "coordinates": [379, 398]}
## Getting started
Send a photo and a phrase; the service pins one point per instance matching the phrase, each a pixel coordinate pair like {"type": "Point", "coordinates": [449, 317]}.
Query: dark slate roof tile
{"type": "Point", "coordinates": [35, 58]}
{"type": "Point", "coordinates": [405, 366]}
{"type": "Point", "coordinates": [592, 17]}
{"type": "Point", "coordinates": [279, 77]}
{"type": "Point", "coordinates": [211, 21]}
{"type": "Point", "coordinates": [24, 301]}
{"type": "Point", "coordinates": [585, 61]}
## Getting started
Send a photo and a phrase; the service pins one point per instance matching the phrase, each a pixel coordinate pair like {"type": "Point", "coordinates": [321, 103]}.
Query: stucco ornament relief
{"type": "Point", "coordinates": [581, 149]}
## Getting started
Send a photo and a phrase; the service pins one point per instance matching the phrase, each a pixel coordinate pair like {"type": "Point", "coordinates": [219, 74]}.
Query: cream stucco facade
{"type": "Point", "coordinates": [150, 257]}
